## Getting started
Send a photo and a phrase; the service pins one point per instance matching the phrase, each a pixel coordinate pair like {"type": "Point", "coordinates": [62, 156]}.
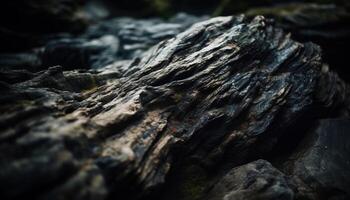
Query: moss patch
{"type": "Point", "coordinates": [195, 182]}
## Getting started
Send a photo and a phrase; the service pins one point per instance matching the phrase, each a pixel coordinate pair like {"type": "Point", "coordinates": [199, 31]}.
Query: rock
{"type": "Point", "coordinates": [220, 93]}
{"type": "Point", "coordinates": [327, 25]}
{"type": "Point", "coordinates": [322, 160]}
{"type": "Point", "coordinates": [16, 61]}
{"type": "Point", "coordinates": [138, 35]}
{"type": "Point", "coordinates": [255, 180]}
{"type": "Point", "coordinates": [106, 42]}
{"type": "Point", "coordinates": [113, 40]}
{"type": "Point", "coordinates": [317, 169]}
{"type": "Point", "coordinates": [15, 76]}
{"type": "Point", "coordinates": [80, 53]}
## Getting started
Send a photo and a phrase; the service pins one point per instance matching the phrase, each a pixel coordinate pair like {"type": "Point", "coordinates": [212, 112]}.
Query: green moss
{"type": "Point", "coordinates": [195, 182]}
{"type": "Point", "coordinates": [279, 13]}
{"type": "Point", "coordinates": [275, 11]}
{"type": "Point", "coordinates": [341, 2]}
{"type": "Point", "coordinates": [91, 86]}
{"type": "Point", "coordinates": [161, 7]}
{"type": "Point", "coordinates": [25, 103]}
{"type": "Point", "coordinates": [230, 7]}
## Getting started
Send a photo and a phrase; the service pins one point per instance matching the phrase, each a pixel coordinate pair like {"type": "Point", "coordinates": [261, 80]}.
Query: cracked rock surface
{"type": "Point", "coordinates": [214, 97]}
{"type": "Point", "coordinates": [325, 24]}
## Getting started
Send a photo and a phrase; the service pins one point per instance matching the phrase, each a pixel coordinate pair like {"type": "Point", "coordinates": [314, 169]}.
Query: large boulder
{"type": "Point", "coordinates": [218, 94]}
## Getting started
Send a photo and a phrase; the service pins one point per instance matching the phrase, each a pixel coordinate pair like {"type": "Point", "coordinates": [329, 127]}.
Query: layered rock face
{"type": "Point", "coordinates": [188, 108]}
{"type": "Point", "coordinates": [189, 118]}
{"type": "Point", "coordinates": [327, 25]}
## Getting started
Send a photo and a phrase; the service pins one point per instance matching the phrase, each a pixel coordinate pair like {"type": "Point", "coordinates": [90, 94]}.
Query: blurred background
{"type": "Point", "coordinates": [166, 8]}
{"type": "Point", "coordinates": [36, 34]}
{"type": "Point", "coordinates": [32, 14]}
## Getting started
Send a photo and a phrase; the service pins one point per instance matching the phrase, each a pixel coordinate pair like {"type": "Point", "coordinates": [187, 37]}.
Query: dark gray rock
{"type": "Point", "coordinates": [256, 181]}
{"type": "Point", "coordinates": [322, 160]}
{"type": "Point", "coordinates": [222, 91]}
{"type": "Point", "coordinates": [101, 44]}
{"type": "Point", "coordinates": [18, 61]}
{"type": "Point", "coordinates": [325, 24]}
{"type": "Point", "coordinates": [114, 39]}
{"type": "Point", "coordinates": [80, 53]}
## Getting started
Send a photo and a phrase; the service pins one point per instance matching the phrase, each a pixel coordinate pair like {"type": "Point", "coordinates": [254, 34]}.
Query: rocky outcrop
{"type": "Point", "coordinates": [217, 95]}
{"type": "Point", "coordinates": [327, 25]}
{"type": "Point", "coordinates": [317, 169]}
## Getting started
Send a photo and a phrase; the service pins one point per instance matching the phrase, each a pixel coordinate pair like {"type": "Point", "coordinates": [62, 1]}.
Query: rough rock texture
{"type": "Point", "coordinates": [322, 160]}
{"type": "Point", "coordinates": [327, 25]}
{"type": "Point", "coordinates": [256, 180]}
{"type": "Point", "coordinates": [222, 92]}
{"type": "Point", "coordinates": [101, 44]}
{"type": "Point", "coordinates": [114, 39]}
{"type": "Point", "coordinates": [317, 169]}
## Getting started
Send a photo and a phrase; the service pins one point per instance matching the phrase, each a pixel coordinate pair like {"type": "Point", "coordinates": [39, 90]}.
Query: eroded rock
{"type": "Point", "coordinates": [325, 24]}
{"type": "Point", "coordinates": [222, 91]}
